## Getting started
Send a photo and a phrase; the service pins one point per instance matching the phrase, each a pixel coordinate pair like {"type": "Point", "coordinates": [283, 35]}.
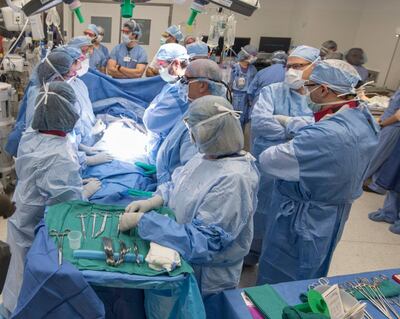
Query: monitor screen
{"type": "Point", "coordinates": [272, 44]}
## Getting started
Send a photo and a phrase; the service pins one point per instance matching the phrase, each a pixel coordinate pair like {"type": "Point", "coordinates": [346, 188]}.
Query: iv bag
{"type": "Point", "coordinates": [213, 34]}
{"type": "Point", "coordinates": [230, 33]}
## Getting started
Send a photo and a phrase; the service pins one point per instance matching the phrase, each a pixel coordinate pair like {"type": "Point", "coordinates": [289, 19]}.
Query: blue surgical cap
{"type": "Point", "coordinates": [73, 52]}
{"type": "Point", "coordinates": [175, 31]}
{"type": "Point", "coordinates": [172, 51]}
{"type": "Point", "coordinates": [279, 57]}
{"type": "Point", "coordinates": [246, 52]}
{"type": "Point", "coordinates": [197, 49]}
{"type": "Point", "coordinates": [338, 75]}
{"type": "Point", "coordinates": [305, 52]}
{"type": "Point", "coordinates": [79, 42]}
{"type": "Point", "coordinates": [93, 27]}
{"type": "Point", "coordinates": [57, 63]}
{"type": "Point", "coordinates": [54, 109]}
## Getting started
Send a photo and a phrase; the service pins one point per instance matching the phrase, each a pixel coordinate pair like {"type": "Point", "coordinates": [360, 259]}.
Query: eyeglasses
{"type": "Point", "coordinates": [89, 34]}
{"type": "Point", "coordinates": [126, 31]}
{"type": "Point", "coordinates": [297, 66]}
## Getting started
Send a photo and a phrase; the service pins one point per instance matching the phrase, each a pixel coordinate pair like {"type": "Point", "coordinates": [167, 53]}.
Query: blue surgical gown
{"type": "Point", "coordinates": [388, 138]}
{"type": "Point", "coordinates": [319, 175]}
{"type": "Point", "coordinates": [48, 173]}
{"type": "Point", "coordinates": [266, 131]}
{"type": "Point", "coordinates": [272, 74]}
{"type": "Point", "coordinates": [176, 150]}
{"type": "Point", "coordinates": [214, 202]}
{"type": "Point", "coordinates": [99, 57]}
{"type": "Point", "coordinates": [164, 111]}
{"type": "Point", "coordinates": [240, 100]}
{"type": "Point", "coordinates": [129, 58]}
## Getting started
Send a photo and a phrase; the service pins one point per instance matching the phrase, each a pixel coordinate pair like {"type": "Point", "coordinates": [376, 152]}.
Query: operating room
{"type": "Point", "coordinates": [200, 159]}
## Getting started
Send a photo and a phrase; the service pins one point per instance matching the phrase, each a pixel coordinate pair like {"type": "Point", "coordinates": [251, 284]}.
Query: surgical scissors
{"type": "Point", "coordinates": [60, 243]}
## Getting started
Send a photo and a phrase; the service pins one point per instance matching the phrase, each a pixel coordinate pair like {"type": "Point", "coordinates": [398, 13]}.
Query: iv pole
{"type": "Point", "coordinates": [393, 55]}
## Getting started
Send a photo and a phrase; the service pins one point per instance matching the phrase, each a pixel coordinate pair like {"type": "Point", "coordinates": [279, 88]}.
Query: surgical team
{"type": "Point", "coordinates": [282, 204]}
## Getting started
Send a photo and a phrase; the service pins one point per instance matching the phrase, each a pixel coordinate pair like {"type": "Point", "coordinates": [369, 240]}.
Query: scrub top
{"type": "Point", "coordinates": [129, 58]}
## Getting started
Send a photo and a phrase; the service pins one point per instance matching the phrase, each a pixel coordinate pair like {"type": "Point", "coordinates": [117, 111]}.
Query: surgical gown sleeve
{"type": "Point", "coordinates": [252, 89]}
{"type": "Point", "coordinates": [60, 181]}
{"type": "Point", "coordinates": [217, 223]}
{"type": "Point", "coordinates": [263, 122]}
{"type": "Point", "coordinates": [280, 161]}
{"type": "Point", "coordinates": [297, 123]}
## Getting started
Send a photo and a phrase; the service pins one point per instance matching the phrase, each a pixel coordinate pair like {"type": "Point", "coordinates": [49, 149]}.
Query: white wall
{"type": "Point", "coordinates": [369, 24]}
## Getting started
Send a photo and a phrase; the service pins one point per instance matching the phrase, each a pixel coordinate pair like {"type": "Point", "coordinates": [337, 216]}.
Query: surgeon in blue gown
{"type": "Point", "coordinates": [319, 174]}
{"type": "Point", "coordinates": [272, 74]}
{"type": "Point", "coordinates": [279, 112]}
{"type": "Point", "coordinates": [202, 77]}
{"type": "Point", "coordinates": [99, 57]}
{"type": "Point", "coordinates": [48, 173]}
{"type": "Point", "coordinates": [168, 107]}
{"type": "Point", "coordinates": [213, 196]}
{"type": "Point", "coordinates": [243, 72]}
{"type": "Point", "coordinates": [388, 138]}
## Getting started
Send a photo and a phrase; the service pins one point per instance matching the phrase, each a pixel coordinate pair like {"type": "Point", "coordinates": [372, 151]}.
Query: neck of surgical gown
{"type": "Point", "coordinates": [309, 215]}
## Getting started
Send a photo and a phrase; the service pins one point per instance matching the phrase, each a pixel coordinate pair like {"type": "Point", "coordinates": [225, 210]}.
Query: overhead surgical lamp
{"type": "Point", "coordinates": [37, 6]}
{"type": "Point", "coordinates": [127, 7]}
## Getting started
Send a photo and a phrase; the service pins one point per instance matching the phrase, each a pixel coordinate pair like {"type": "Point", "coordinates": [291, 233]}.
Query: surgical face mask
{"type": "Point", "coordinates": [252, 60]}
{"type": "Point", "coordinates": [84, 68]}
{"type": "Point", "coordinates": [315, 107]}
{"type": "Point", "coordinates": [126, 39]}
{"type": "Point", "coordinates": [183, 91]}
{"type": "Point", "coordinates": [294, 79]}
{"type": "Point", "coordinates": [163, 41]}
{"type": "Point", "coordinates": [164, 73]}
{"type": "Point", "coordinates": [100, 38]}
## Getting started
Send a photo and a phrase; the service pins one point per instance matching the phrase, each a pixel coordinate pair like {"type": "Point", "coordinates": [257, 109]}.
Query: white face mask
{"type": "Point", "coordinates": [100, 38]}
{"type": "Point", "coordinates": [164, 73]}
{"type": "Point", "coordinates": [294, 79]}
{"type": "Point", "coordinates": [163, 40]}
{"type": "Point", "coordinates": [126, 39]}
{"type": "Point", "coordinates": [84, 68]}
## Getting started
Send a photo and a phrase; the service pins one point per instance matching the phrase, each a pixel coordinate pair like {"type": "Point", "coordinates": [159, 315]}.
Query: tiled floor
{"type": "Point", "coordinates": [365, 245]}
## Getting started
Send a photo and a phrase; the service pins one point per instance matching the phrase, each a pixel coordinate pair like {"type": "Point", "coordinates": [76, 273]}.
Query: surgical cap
{"type": "Point", "coordinates": [57, 61]}
{"type": "Point", "coordinates": [54, 108]}
{"type": "Point", "coordinates": [73, 52]}
{"type": "Point", "coordinates": [305, 52]}
{"type": "Point", "coordinates": [214, 126]}
{"type": "Point", "coordinates": [79, 42]}
{"type": "Point", "coordinates": [247, 52]}
{"type": "Point", "coordinates": [279, 57]}
{"type": "Point", "coordinates": [93, 28]}
{"type": "Point", "coordinates": [197, 49]}
{"type": "Point", "coordinates": [338, 75]}
{"type": "Point", "coordinates": [134, 27]}
{"type": "Point", "coordinates": [172, 51]}
{"type": "Point", "coordinates": [175, 31]}
{"type": "Point", "coordinates": [207, 71]}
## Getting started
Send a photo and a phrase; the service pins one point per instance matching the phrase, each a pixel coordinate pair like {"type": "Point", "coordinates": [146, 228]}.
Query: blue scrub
{"type": "Point", "coordinates": [363, 72]}
{"type": "Point", "coordinates": [214, 202]}
{"type": "Point", "coordinates": [319, 175]}
{"type": "Point", "coordinates": [129, 58]}
{"type": "Point", "coordinates": [272, 74]}
{"type": "Point", "coordinates": [176, 150]}
{"type": "Point", "coordinates": [99, 57]}
{"type": "Point", "coordinates": [240, 81]}
{"type": "Point", "coordinates": [164, 111]}
{"type": "Point", "coordinates": [388, 138]}
{"type": "Point", "coordinates": [266, 131]}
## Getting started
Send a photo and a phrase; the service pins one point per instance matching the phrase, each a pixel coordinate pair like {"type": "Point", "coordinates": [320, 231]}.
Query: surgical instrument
{"type": "Point", "coordinates": [100, 255]}
{"type": "Point", "coordinates": [103, 225]}
{"type": "Point", "coordinates": [123, 250]}
{"type": "Point", "coordinates": [136, 252]}
{"type": "Point", "coordinates": [60, 243]}
{"type": "Point", "coordinates": [108, 250]}
{"type": "Point", "coordinates": [82, 217]}
{"type": "Point", "coordinates": [94, 223]}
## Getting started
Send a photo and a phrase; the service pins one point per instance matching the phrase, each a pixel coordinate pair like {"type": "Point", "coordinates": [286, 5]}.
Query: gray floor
{"type": "Point", "coordinates": [365, 245]}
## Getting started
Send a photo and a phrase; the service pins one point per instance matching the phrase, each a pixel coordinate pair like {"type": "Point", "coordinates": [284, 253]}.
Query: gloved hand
{"type": "Point", "coordinates": [88, 180]}
{"type": "Point", "coordinates": [89, 150]}
{"type": "Point", "coordinates": [129, 221]}
{"type": "Point", "coordinates": [99, 158]}
{"type": "Point", "coordinates": [143, 206]}
{"type": "Point", "coordinates": [91, 187]}
{"type": "Point", "coordinates": [282, 119]}
{"type": "Point", "coordinates": [99, 127]}
{"type": "Point", "coordinates": [162, 258]}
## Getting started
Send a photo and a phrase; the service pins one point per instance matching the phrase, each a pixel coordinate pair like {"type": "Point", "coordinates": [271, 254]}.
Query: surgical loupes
{"type": "Point", "coordinates": [103, 225]}
{"type": "Point", "coordinates": [82, 217]}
